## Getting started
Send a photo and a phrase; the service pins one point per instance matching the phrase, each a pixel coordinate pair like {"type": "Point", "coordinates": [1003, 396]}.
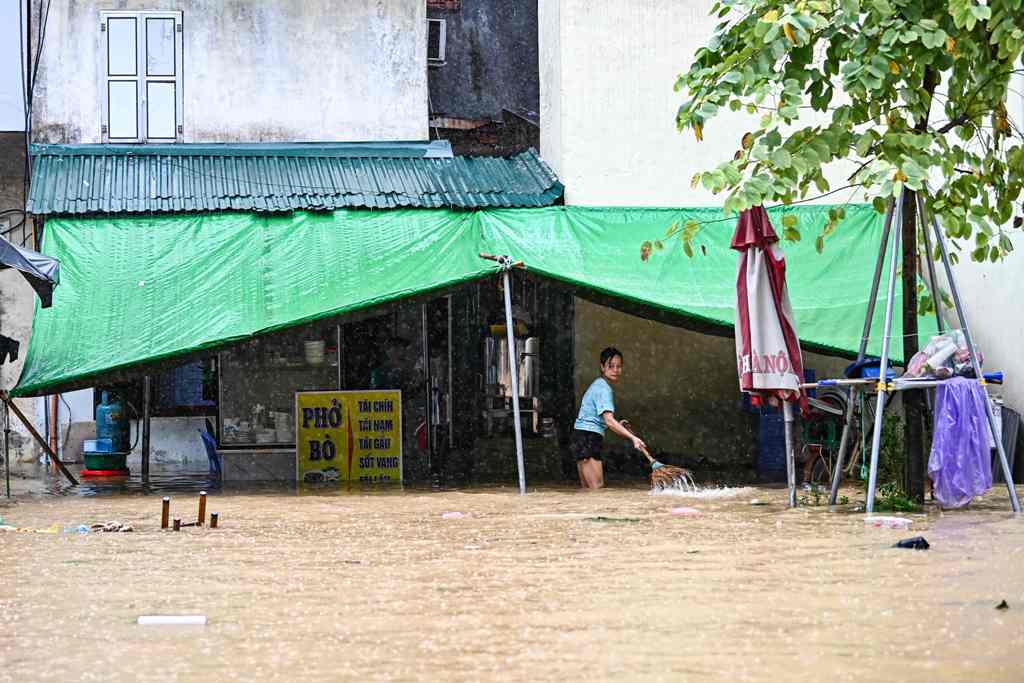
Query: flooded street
{"type": "Point", "coordinates": [557, 585]}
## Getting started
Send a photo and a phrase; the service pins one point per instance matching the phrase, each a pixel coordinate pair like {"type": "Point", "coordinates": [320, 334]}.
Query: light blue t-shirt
{"type": "Point", "coordinates": [597, 400]}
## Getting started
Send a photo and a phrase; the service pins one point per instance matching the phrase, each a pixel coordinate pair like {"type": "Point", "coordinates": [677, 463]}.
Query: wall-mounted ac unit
{"type": "Point", "coordinates": [436, 29]}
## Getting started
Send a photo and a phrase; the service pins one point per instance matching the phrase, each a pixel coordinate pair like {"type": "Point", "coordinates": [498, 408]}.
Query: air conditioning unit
{"type": "Point", "coordinates": [436, 29]}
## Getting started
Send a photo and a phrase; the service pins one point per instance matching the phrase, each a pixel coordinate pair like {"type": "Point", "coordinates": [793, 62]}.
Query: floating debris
{"type": "Point", "coordinates": [888, 522]}
{"type": "Point", "coordinates": [109, 527]}
{"type": "Point", "coordinates": [685, 512]}
{"type": "Point", "coordinates": [1002, 605]}
{"type": "Point", "coordinates": [915, 543]}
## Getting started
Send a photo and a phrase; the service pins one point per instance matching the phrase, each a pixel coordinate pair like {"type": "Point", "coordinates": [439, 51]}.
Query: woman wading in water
{"type": "Point", "coordinates": [597, 413]}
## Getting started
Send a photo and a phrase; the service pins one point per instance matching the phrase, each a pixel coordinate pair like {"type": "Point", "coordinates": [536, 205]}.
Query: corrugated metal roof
{"type": "Point", "coordinates": [92, 179]}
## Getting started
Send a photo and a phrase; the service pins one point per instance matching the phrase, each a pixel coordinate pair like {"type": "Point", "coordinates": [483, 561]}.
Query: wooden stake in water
{"type": "Point", "coordinates": [165, 512]}
{"type": "Point", "coordinates": [177, 524]}
{"type": "Point", "coordinates": [200, 520]}
{"type": "Point", "coordinates": [213, 520]}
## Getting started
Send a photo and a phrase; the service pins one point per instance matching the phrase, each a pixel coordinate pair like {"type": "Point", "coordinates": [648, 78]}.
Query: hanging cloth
{"type": "Point", "coordinates": [960, 464]}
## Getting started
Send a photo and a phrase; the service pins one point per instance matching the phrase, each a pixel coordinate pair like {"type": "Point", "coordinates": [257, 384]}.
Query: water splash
{"type": "Point", "coordinates": [682, 482]}
{"type": "Point", "coordinates": [685, 487]}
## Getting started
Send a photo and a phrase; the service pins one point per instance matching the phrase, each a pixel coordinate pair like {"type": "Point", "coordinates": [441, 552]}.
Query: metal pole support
{"type": "Point", "coordinates": [864, 337]}
{"type": "Point", "coordinates": [146, 407]}
{"type": "Point", "coordinates": [506, 265]}
{"type": "Point", "coordinates": [933, 282]}
{"type": "Point", "coordinates": [513, 355]}
{"type": "Point", "coordinates": [837, 476]}
{"type": "Point", "coordinates": [7, 452]}
{"type": "Point", "coordinates": [787, 412]}
{"type": "Point", "coordinates": [883, 371]}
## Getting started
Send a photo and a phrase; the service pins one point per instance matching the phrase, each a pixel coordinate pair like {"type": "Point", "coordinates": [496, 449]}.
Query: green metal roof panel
{"type": "Point", "coordinates": [98, 179]}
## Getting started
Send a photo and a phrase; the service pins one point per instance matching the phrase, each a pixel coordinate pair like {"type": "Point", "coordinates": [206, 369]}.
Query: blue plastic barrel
{"type": "Point", "coordinates": [112, 423]}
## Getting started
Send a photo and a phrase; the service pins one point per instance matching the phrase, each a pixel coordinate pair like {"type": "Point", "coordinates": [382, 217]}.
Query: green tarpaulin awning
{"type": "Point", "coordinates": [140, 289]}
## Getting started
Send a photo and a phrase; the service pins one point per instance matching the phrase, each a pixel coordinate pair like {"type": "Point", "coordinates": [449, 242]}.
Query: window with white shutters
{"type": "Point", "coordinates": [141, 93]}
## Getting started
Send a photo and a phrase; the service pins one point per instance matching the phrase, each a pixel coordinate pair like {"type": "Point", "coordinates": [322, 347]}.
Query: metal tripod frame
{"type": "Point", "coordinates": [884, 387]}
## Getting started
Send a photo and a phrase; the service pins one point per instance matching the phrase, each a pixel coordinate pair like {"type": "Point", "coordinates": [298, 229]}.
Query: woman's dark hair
{"type": "Point", "coordinates": [610, 353]}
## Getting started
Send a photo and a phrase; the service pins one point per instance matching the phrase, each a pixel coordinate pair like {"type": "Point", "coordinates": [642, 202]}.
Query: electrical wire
{"type": "Point", "coordinates": [30, 84]}
{"type": "Point", "coordinates": [23, 72]}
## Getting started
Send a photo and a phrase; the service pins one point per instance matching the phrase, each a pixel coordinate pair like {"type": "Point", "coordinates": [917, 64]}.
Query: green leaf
{"type": "Point", "coordinates": [708, 109]}
{"type": "Point", "coordinates": [819, 244]}
{"type": "Point", "coordinates": [864, 144]}
{"type": "Point", "coordinates": [791, 235]}
{"type": "Point", "coordinates": [688, 249]}
{"type": "Point", "coordinates": [789, 220]}
{"type": "Point", "coordinates": [781, 158]}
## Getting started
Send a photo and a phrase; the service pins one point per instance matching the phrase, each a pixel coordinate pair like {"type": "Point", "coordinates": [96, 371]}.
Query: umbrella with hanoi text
{"type": "Point", "coordinates": [768, 356]}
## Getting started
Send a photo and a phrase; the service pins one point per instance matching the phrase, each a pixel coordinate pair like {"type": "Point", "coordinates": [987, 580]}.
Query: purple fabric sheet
{"type": "Point", "coordinates": [960, 465]}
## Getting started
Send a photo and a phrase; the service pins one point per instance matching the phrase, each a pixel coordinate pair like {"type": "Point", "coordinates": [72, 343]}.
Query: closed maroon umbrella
{"type": "Point", "coordinates": [768, 358]}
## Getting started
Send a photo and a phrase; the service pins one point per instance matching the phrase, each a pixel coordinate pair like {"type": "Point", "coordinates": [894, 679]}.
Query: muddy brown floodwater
{"type": "Point", "coordinates": [557, 585]}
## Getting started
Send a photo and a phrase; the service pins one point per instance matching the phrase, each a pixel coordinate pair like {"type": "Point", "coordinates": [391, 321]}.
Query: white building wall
{"type": "Point", "coordinates": [12, 111]}
{"type": "Point", "coordinates": [289, 70]}
{"type": "Point", "coordinates": [992, 294]}
{"type": "Point", "coordinates": [608, 104]}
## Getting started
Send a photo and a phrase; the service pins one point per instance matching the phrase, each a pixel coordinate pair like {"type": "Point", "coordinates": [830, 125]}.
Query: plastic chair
{"type": "Point", "coordinates": [211, 451]}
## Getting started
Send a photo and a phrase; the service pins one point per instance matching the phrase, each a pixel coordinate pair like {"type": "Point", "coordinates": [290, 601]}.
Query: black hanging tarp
{"type": "Point", "coordinates": [42, 272]}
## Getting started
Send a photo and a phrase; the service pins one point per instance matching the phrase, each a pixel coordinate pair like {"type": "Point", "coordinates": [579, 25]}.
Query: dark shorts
{"type": "Point", "coordinates": [586, 444]}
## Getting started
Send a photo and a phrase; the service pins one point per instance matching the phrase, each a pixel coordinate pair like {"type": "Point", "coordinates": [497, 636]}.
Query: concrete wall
{"type": "Point", "coordinates": [16, 306]}
{"type": "Point", "coordinates": [491, 59]}
{"type": "Point", "coordinates": [290, 70]}
{"type": "Point", "coordinates": [12, 173]}
{"type": "Point", "coordinates": [174, 441]}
